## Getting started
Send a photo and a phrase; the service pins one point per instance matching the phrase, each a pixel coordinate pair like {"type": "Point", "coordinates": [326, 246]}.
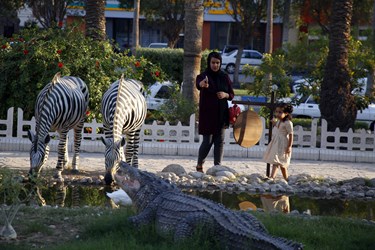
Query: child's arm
{"type": "Point", "coordinates": [288, 150]}
{"type": "Point", "coordinates": [274, 121]}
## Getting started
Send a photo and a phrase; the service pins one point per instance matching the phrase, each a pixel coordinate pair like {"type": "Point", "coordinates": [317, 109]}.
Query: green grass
{"type": "Point", "coordinates": [322, 232]}
{"type": "Point", "coordinates": [114, 232]}
{"type": "Point", "coordinates": [103, 228]}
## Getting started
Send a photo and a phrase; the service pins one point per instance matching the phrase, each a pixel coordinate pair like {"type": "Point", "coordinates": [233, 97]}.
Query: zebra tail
{"type": "Point", "coordinates": [56, 78]}
{"type": "Point", "coordinates": [117, 123]}
{"type": "Point", "coordinates": [48, 91]}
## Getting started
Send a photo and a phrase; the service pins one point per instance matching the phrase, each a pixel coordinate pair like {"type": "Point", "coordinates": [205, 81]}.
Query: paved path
{"type": "Point", "coordinates": [154, 163]}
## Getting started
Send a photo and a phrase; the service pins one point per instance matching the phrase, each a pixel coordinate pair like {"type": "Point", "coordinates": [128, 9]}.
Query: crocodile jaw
{"type": "Point", "coordinates": [124, 180]}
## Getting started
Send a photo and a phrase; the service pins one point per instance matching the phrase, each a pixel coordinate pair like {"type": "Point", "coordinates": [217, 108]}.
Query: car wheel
{"type": "Point", "coordinates": [230, 68]}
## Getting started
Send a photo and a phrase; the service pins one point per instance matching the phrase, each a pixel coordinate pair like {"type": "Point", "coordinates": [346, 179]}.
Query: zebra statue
{"type": "Point", "coordinates": [60, 106]}
{"type": "Point", "coordinates": [124, 111]}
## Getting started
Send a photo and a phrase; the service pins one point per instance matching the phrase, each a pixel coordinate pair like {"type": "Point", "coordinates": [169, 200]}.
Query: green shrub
{"type": "Point", "coordinates": [361, 125]}
{"type": "Point", "coordinates": [304, 122]}
{"type": "Point", "coordinates": [176, 108]}
{"type": "Point", "coordinates": [29, 61]}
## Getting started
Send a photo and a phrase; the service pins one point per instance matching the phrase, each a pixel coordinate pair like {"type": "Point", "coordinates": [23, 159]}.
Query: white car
{"type": "Point", "coordinates": [304, 82]}
{"type": "Point", "coordinates": [310, 109]}
{"type": "Point", "coordinates": [251, 57]}
{"type": "Point", "coordinates": [160, 92]}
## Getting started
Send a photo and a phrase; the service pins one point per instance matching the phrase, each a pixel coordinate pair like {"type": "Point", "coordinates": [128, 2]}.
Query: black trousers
{"type": "Point", "coordinates": [208, 140]}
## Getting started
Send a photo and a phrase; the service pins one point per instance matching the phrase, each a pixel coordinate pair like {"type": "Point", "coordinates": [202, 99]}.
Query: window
{"type": "Point", "coordinates": [255, 55]}
{"type": "Point", "coordinates": [164, 92]}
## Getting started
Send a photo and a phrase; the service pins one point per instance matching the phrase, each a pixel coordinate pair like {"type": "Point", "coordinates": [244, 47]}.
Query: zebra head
{"type": "Point", "coordinates": [114, 153]}
{"type": "Point", "coordinates": [39, 152]}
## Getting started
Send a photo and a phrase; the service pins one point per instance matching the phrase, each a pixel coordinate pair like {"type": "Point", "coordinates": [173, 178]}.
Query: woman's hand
{"type": "Point", "coordinates": [222, 95]}
{"type": "Point", "coordinates": [204, 83]}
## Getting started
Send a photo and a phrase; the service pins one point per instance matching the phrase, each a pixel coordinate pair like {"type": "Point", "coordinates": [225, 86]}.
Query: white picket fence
{"type": "Point", "coordinates": [315, 143]}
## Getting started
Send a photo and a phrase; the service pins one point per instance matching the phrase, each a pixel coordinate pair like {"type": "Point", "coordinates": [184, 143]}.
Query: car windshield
{"type": "Point", "coordinates": [231, 53]}
{"type": "Point", "coordinates": [164, 92]}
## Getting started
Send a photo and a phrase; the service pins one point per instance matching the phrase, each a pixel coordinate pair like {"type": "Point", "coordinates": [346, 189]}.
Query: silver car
{"type": "Point", "coordinates": [250, 57]}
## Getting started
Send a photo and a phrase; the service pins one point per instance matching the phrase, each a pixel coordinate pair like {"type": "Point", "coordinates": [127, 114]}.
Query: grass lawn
{"type": "Point", "coordinates": [105, 228]}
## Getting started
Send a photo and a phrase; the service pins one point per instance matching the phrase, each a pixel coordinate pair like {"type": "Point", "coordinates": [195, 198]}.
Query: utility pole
{"type": "Point", "coordinates": [269, 41]}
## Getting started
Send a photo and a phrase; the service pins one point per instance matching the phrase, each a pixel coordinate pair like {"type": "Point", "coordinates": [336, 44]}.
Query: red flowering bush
{"type": "Point", "coordinates": [29, 61]}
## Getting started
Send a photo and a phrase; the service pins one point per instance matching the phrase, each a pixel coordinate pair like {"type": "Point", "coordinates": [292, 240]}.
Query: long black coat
{"type": "Point", "coordinates": [213, 113]}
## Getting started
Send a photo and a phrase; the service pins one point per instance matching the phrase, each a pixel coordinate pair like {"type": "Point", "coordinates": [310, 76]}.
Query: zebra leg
{"type": "Point", "coordinates": [132, 147]}
{"type": "Point", "coordinates": [129, 147]}
{"type": "Point", "coordinates": [62, 154]}
{"type": "Point", "coordinates": [77, 146]}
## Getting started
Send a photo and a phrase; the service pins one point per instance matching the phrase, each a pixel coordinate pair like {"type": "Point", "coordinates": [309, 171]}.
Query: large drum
{"type": "Point", "coordinates": [247, 129]}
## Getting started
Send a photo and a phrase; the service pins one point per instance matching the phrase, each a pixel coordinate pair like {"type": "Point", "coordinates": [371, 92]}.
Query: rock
{"type": "Point", "coordinates": [196, 175]}
{"type": "Point", "coordinates": [221, 178]}
{"type": "Point", "coordinates": [175, 168]}
{"type": "Point", "coordinates": [227, 174]}
{"type": "Point", "coordinates": [358, 181]}
{"type": "Point", "coordinates": [294, 212]}
{"type": "Point", "coordinates": [217, 168]}
{"type": "Point", "coordinates": [370, 193]}
{"type": "Point", "coordinates": [8, 232]}
{"type": "Point", "coordinates": [372, 182]}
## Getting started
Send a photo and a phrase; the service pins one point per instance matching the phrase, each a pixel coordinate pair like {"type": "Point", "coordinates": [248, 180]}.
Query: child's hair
{"type": "Point", "coordinates": [286, 108]}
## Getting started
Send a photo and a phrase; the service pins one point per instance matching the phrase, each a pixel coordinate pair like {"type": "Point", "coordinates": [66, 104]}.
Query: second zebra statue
{"type": "Point", "coordinates": [124, 111]}
{"type": "Point", "coordinates": [60, 106]}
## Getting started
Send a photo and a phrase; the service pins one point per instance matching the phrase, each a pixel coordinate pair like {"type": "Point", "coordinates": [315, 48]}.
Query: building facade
{"type": "Point", "coordinates": [218, 28]}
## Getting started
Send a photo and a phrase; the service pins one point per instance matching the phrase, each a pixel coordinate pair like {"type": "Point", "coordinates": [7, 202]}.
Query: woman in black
{"type": "Point", "coordinates": [215, 89]}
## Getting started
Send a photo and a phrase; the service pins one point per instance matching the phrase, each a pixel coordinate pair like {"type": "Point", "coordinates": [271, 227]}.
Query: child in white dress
{"type": "Point", "coordinates": [279, 150]}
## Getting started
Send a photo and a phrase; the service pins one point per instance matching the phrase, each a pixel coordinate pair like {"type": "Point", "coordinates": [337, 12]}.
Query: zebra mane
{"type": "Point", "coordinates": [54, 81]}
{"type": "Point", "coordinates": [119, 108]}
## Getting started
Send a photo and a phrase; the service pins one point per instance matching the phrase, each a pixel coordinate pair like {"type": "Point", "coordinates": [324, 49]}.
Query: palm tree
{"type": "Point", "coordinates": [135, 42]}
{"type": "Point", "coordinates": [337, 104]}
{"type": "Point", "coordinates": [95, 19]}
{"type": "Point", "coordinates": [192, 47]}
{"type": "Point", "coordinates": [371, 76]}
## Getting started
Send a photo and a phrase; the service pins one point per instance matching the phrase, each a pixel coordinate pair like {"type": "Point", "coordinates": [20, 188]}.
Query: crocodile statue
{"type": "Point", "coordinates": [179, 214]}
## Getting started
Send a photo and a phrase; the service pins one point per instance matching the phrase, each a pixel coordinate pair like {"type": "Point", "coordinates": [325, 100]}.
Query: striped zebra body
{"type": "Point", "coordinates": [60, 106]}
{"type": "Point", "coordinates": [124, 111]}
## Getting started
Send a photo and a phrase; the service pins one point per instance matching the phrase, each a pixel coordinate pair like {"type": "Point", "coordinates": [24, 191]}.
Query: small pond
{"type": "Point", "coordinates": [83, 195]}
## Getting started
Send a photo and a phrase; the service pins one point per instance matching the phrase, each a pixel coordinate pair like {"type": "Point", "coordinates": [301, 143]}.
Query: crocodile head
{"type": "Point", "coordinates": [141, 186]}
{"type": "Point", "coordinates": [129, 178]}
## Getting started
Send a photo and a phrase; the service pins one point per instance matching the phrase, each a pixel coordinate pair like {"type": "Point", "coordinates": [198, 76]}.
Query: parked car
{"type": "Point", "coordinates": [251, 57]}
{"type": "Point", "coordinates": [309, 108]}
{"type": "Point", "coordinates": [229, 48]}
{"type": "Point", "coordinates": [160, 92]}
{"type": "Point", "coordinates": [303, 81]}
{"type": "Point", "coordinates": [158, 45]}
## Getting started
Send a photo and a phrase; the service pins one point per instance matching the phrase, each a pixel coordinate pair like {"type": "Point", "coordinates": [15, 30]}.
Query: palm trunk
{"type": "Point", "coordinates": [192, 47]}
{"type": "Point", "coordinates": [337, 104]}
{"type": "Point", "coordinates": [135, 43]}
{"type": "Point", "coordinates": [370, 88]}
{"type": "Point", "coordinates": [95, 19]}
{"type": "Point", "coordinates": [286, 22]}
